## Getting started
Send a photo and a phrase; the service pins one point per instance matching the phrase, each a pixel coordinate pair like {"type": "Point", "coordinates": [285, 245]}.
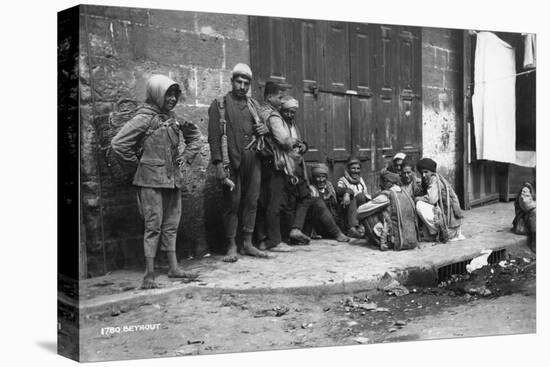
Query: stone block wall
{"type": "Point", "coordinates": [119, 49]}
{"type": "Point", "coordinates": [442, 131]}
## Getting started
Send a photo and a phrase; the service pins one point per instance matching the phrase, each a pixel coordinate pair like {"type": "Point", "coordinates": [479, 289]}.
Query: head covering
{"type": "Point", "coordinates": [526, 201]}
{"type": "Point", "coordinates": [319, 168]}
{"type": "Point", "coordinates": [389, 177]}
{"type": "Point", "coordinates": [289, 102]}
{"type": "Point", "coordinates": [407, 162]}
{"type": "Point", "coordinates": [426, 163]}
{"type": "Point", "coordinates": [353, 160]}
{"type": "Point", "coordinates": [399, 156]}
{"type": "Point", "coordinates": [156, 88]}
{"type": "Point", "coordinates": [242, 70]}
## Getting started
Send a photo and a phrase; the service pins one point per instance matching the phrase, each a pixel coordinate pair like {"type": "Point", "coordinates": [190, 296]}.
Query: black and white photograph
{"type": "Point", "coordinates": [248, 183]}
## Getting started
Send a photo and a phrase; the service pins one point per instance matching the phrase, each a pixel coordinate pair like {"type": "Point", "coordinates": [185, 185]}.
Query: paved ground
{"type": "Point", "coordinates": [323, 267]}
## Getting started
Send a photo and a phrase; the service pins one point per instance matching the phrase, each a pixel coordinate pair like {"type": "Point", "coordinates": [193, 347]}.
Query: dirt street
{"type": "Point", "coordinates": [493, 300]}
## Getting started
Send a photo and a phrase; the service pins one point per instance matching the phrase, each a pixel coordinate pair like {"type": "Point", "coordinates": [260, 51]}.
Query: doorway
{"type": "Point", "coordinates": [359, 87]}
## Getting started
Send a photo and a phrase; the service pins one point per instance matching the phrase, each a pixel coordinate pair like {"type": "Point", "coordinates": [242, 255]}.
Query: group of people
{"type": "Point", "coordinates": [274, 199]}
{"type": "Point", "coordinates": [271, 198]}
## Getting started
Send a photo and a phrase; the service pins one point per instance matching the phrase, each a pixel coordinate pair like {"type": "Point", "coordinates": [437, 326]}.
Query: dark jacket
{"type": "Point", "coordinates": [238, 134]}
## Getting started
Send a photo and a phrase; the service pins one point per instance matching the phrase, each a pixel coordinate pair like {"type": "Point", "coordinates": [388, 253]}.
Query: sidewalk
{"type": "Point", "coordinates": [325, 266]}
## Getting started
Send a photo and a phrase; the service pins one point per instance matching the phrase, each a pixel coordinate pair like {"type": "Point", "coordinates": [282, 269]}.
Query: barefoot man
{"type": "Point", "coordinates": [159, 172]}
{"type": "Point", "coordinates": [231, 128]}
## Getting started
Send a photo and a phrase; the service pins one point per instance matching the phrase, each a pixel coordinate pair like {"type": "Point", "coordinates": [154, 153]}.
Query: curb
{"type": "Point", "coordinates": [412, 276]}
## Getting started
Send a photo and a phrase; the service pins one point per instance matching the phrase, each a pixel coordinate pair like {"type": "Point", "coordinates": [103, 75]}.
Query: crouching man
{"type": "Point", "coordinates": [159, 170]}
{"type": "Point", "coordinates": [390, 218]}
{"type": "Point", "coordinates": [439, 208]}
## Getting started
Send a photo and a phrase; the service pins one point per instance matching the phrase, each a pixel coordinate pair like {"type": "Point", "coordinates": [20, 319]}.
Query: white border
{"type": "Point", "coordinates": [28, 182]}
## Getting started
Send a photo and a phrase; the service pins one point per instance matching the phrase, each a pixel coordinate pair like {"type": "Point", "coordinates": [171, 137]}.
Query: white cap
{"type": "Point", "coordinates": [242, 69]}
{"type": "Point", "coordinates": [399, 156]}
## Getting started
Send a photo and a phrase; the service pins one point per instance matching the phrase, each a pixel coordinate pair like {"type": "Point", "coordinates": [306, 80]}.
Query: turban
{"type": "Point", "coordinates": [242, 70]}
{"type": "Point", "coordinates": [399, 156]}
{"type": "Point", "coordinates": [426, 163]}
{"type": "Point", "coordinates": [390, 177]}
{"type": "Point", "coordinates": [353, 161]}
{"type": "Point", "coordinates": [289, 102]}
{"type": "Point", "coordinates": [318, 169]}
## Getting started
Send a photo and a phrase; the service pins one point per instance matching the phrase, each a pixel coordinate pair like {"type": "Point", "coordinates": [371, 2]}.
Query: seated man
{"type": "Point", "coordinates": [352, 190]}
{"type": "Point", "coordinates": [439, 208]}
{"type": "Point", "coordinates": [390, 218]}
{"type": "Point", "coordinates": [525, 221]}
{"type": "Point", "coordinates": [396, 164]}
{"type": "Point", "coordinates": [323, 208]}
{"type": "Point", "coordinates": [409, 182]}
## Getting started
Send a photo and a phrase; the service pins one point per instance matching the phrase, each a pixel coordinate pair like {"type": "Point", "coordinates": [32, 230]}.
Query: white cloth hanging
{"type": "Point", "coordinates": [530, 51]}
{"type": "Point", "coordinates": [494, 99]}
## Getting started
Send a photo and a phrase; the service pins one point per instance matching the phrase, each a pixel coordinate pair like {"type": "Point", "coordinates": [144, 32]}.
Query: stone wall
{"type": "Point", "coordinates": [119, 49]}
{"type": "Point", "coordinates": [442, 131]}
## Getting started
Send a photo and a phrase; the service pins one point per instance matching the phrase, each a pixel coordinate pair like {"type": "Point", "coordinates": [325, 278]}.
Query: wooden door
{"type": "Point", "coordinates": [358, 86]}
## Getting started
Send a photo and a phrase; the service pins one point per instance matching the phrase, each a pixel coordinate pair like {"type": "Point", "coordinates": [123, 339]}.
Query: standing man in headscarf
{"type": "Point", "coordinates": [439, 208]}
{"type": "Point", "coordinates": [232, 126]}
{"type": "Point", "coordinates": [159, 169]}
{"type": "Point", "coordinates": [297, 195]}
{"type": "Point", "coordinates": [277, 169]}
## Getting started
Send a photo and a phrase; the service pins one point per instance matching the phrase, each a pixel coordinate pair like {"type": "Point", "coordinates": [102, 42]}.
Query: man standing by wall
{"type": "Point", "coordinates": [159, 169]}
{"type": "Point", "coordinates": [279, 168]}
{"type": "Point", "coordinates": [231, 128]}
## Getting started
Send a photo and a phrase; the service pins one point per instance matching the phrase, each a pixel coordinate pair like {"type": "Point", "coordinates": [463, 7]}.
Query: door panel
{"type": "Point", "coordinates": [387, 106]}
{"type": "Point", "coordinates": [338, 128]}
{"type": "Point", "coordinates": [312, 127]}
{"type": "Point", "coordinates": [335, 61]}
{"type": "Point", "coordinates": [409, 51]}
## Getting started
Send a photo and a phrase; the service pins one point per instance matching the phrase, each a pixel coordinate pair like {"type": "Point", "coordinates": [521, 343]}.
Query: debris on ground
{"type": "Point", "coordinates": [187, 350]}
{"type": "Point", "coordinates": [189, 342]}
{"type": "Point", "coordinates": [478, 262]}
{"type": "Point", "coordinates": [361, 340]}
{"type": "Point", "coordinates": [482, 291]}
{"type": "Point", "coordinates": [276, 311]}
{"type": "Point", "coordinates": [392, 286]}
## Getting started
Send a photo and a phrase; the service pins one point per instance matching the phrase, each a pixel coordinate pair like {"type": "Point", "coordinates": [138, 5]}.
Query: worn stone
{"type": "Point", "coordinates": [183, 20]}
{"type": "Point", "coordinates": [136, 15]}
{"type": "Point", "coordinates": [236, 51]}
{"type": "Point", "coordinates": [226, 25]}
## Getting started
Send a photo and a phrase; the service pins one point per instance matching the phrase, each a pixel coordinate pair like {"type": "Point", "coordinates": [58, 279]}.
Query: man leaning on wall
{"type": "Point", "coordinates": [232, 127]}
{"type": "Point", "coordinates": [159, 169]}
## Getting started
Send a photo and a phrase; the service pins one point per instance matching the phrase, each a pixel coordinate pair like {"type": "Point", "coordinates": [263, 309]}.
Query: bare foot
{"type": "Point", "coordinates": [253, 251]}
{"type": "Point", "coordinates": [355, 233]}
{"type": "Point", "coordinates": [298, 237]}
{"type": "Point", "coordinates": [231, 255]}
{"type": "Point", "coordinates": [262, 245]}
{"type": "Point", "coordinates": [340, 237]}
{"type": "Point", "coordinates": [178, 273]}
{"type": "Point", "coordinates": [281, 247]}
{"type": "Point", "coordinates": [149, 282]}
